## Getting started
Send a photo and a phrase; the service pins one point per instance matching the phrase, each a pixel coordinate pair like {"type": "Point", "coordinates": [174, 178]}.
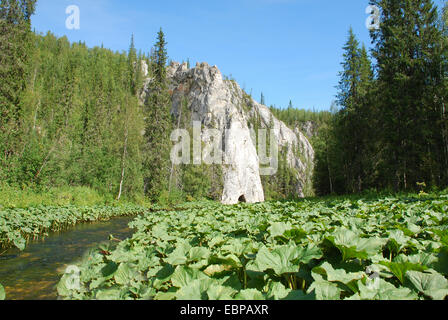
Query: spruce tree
{"type": "Point", "coordinates": [133, 66]}
{"type": "Point", "coordinates": [408, 52]}
{"type": "Point", "coordinates": [157, 124]}
{"type": "Point", "coordinates": [348, 84]}
{"type": "Point", "coordinates": [351, 129]}
{"type": "Point", "coordinates": [367, 124]}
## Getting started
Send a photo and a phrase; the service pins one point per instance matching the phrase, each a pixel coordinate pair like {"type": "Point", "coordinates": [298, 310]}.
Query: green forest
{"type": "Point", "coordinates": [71, 116]}
{"type": "Point", "coordinates": [390, 129]}
{"type": "Point", "coordinates": [387, 130]}
{"type": "Point", "coordinates": [71, 121]}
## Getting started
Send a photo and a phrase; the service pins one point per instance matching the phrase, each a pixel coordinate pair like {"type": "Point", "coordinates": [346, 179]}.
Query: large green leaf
{"type": "Point", "coordinates": [295, 234]}
{"type": "Point", "coordinates": [309, 253]}
{"type": "Point", "coordinates": [165, 273]}
{"type": "Point", "coordinates": [325, 290]}
{"type": "Point", "coordinates": [198, 253]}
{"type": "Point", "coordinates": [339, 275]}
{"type": "Point", "coordinates": [400, 269]}
{"type": "Point", "coordinates": [219, 292]}
{"type": "Point", "coordinates": [109, 269]}
{"type": "Point", "coordinates": [344, 237]}
{"type": "Point", "coordinates": [108, 294]}
{"type": "Point", "coordinates": [162, 276]}
{"type": "Point", "coordinates": [433, 285]}
{"type": "Point", "coordinates": [180, 255]}
{"type": "Point", "coordinates": [63, 287]}
{"type": "Point", "coordinates": [228, 260]}
{"type": "Point", "coordinates": [397, 241]}
{"type": "Point", "coordinates": [383, 290]}
{"type": "Point", "coordinates": [233, 247]}
{"type": "Point", "coordinates": [160, 231]}
{"type": "Point", "coordinates": [184, 276]}
{"type": "Point", "coordinates": [250, 294]}
{"type": "Point", "coordinates": [424, 259]}
{"type": "Point", "coordinates": [124, 274]}
{"type": "Point", "coordinates": [277, 291]}
{"type": "Point", "coordinates": [442, 261]}
{"type": "Point", "coordinates": [279, 228]}
{"type": "Point", "coordinates": [370, 246]}
{"type": "Point", "coordinates": [352, 246]}
{"type": "Point", "coordinates": [195, 290]}
{"type": "Point", "coordinates": [280, 259]}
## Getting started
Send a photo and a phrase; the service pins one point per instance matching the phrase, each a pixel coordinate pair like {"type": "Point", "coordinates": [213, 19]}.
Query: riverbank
{"type": "Point", "coordinates": [19, 226]}
{"type": "Point", "coordinates": [28, 197]}
{"type": "Point", "coordinates": [32, 274]}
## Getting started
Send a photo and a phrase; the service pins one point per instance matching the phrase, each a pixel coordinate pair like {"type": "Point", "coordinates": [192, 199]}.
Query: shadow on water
{"type": "Point", "coordinates": [33, 274]}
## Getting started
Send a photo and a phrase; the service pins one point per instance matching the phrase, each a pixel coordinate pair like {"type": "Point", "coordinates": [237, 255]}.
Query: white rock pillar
{"type": "Point", "coordinates": [241, 169]}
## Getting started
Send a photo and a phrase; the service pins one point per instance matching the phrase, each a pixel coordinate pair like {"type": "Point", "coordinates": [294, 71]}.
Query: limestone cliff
{"type": "Point", "coordinates": [221, 104]}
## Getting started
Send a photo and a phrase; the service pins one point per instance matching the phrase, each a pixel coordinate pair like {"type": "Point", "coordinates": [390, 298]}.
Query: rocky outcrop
{"type": "Point", "coordinates": [221, 104]}
{"type": "Point", "coordinates": [241, 169]}
{"type": "Point", "coordinates": [215, 103]}
{"type": "Point", "coordinates": [309, 128]}
{"type": "Point", "coordinates": [300, 153]}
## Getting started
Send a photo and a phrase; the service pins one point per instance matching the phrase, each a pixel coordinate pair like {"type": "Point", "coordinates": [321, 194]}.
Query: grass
{"type": "Point", "coordinates": [12, 197]}
{"type": "Point", "coordinates": [27, 213]}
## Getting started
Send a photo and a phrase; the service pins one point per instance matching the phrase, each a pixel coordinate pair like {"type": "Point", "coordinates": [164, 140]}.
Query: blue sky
{"type": "Point", "coordinates": [287, 49]}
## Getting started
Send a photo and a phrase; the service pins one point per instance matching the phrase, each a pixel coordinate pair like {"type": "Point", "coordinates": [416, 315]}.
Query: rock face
{"type": "Point", "coordinates": [242, 180]}
{"type": "Point", "coordinates": [221, 104]}
{"type": "Point", "coordinates": [300, 153]}
{"type": "Point", "coordinates": [310, 128]}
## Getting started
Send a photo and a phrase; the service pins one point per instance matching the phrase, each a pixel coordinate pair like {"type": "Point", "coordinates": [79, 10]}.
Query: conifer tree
{"type": "Point", "coordinates": [348, 84]}
{"type": "Point", "coordinates": [444, 90]}
{"type": "Point", "coordinates": [133, 67]}
{"type": "Point", "coordinates": [157, 124]}
{"type": "Point", "coordinates": [408, 52]}
{"type": "Point", "coordinates": [351, 127]}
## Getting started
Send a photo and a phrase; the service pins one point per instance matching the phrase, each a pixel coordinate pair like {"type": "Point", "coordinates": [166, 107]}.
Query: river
{"type": "Point", "coordinates": [33, 274]}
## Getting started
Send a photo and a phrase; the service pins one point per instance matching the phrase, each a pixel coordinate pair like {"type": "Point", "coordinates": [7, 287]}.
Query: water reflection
{"type": "Point", "coordinates": [34, 273]}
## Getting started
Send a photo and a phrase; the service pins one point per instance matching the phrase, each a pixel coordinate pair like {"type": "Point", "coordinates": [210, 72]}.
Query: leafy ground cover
{"type": "Point", "coordinates": [391, 248]}
{"type": "Point", "coordinates": [18, 226]}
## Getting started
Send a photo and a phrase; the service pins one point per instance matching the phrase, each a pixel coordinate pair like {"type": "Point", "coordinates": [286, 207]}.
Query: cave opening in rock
{"type": "Point", "coordinates": [242, 199]}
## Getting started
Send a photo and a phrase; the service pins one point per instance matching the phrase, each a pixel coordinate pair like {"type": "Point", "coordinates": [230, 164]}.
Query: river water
{"type": "Point", "coordinates": [33, 274]}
